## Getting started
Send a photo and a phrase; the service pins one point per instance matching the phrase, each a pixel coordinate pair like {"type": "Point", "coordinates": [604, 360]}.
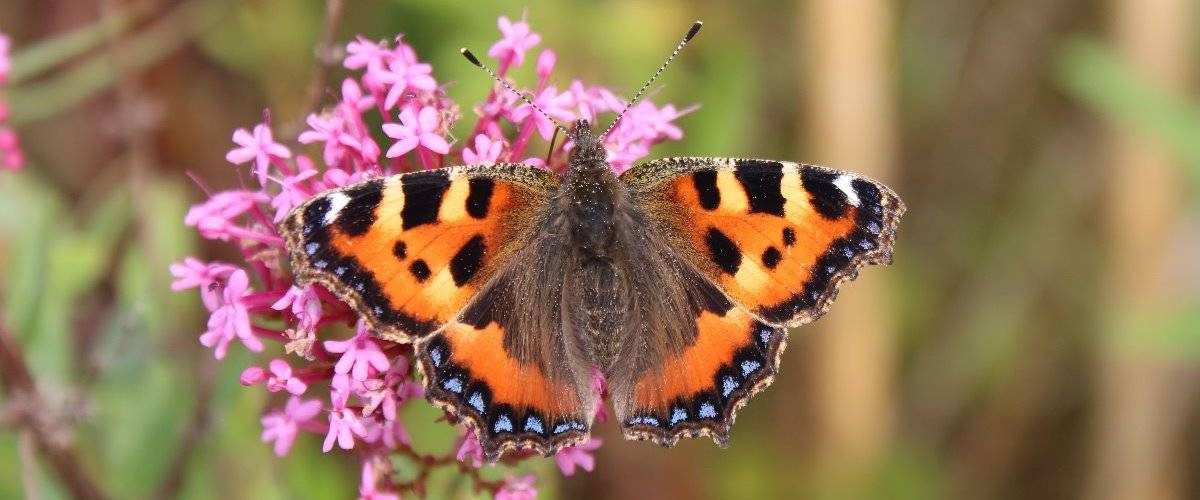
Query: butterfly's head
{"type": "Point", "coordinates": [588, 152]}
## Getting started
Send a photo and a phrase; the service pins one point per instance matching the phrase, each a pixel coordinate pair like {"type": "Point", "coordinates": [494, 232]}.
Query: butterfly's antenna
{"type": "Point", "coordinates": [475, 60]}
{"type": "Point", "coordinates": [691, 33]}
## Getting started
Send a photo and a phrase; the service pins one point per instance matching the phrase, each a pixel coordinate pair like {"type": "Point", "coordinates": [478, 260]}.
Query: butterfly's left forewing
{"type": "Point", "coordinates": [445, 259]}
{"type": "Point", "coordinates": [409, 251]}
{"type": "Point", "coordinates": [776, 239]}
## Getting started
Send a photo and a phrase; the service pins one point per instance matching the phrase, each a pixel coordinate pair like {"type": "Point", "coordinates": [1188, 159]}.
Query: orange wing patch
{"type": "Point", "coordinates": [510, 404]}
{"type": "Point", "coordinates": [698, 391]}
{"type": "Point", "coordinates": [778, 237]}
{"type": "Point", "coordinates": [409, 251]}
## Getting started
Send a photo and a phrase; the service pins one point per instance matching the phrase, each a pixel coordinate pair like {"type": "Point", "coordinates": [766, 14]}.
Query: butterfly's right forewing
{"type": "Point", "coordinates": [778, 237]}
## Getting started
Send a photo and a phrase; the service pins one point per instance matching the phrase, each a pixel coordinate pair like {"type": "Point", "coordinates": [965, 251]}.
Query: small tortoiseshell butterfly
{"type": "Point", "coordinates": [677, 280]}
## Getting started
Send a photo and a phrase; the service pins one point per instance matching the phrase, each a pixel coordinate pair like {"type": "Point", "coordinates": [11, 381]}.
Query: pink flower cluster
{"type": "Point", "coordinates": [11, 156]}
{"type": "Point", "coordinates": [333, 377]}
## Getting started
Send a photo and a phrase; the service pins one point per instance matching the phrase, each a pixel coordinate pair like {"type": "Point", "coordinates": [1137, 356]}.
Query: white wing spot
{"type": "Point", "coordinates": [843, 183]}
{"type": "Point", "coordinates": [337, 201]}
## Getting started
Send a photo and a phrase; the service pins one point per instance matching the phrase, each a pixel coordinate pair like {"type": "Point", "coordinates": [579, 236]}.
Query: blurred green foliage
{"type": "Point", "coordinates": [84, 248]}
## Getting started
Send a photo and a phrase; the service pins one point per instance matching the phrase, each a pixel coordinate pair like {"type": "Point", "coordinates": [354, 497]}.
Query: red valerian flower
{"type": "Point", "coordinates": [11, 156]}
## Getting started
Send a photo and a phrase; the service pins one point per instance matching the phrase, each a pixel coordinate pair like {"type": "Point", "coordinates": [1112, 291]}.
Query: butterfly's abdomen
{"type": "Point", "coordinates": [600, 313]}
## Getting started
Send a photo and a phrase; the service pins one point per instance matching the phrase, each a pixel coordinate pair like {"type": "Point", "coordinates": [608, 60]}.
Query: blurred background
{"type": "Point", "coordinates": [1037, 337]}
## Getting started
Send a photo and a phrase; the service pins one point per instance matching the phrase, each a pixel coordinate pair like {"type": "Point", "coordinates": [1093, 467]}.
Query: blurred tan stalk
{"type": "Point", "coordinates": [848, 94]}
{"type": "Point", "coordinates": [1138, 397]}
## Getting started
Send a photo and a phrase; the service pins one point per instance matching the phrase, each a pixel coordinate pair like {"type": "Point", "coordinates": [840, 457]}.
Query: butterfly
{"type": "Point", "coordinates": [676, 280]}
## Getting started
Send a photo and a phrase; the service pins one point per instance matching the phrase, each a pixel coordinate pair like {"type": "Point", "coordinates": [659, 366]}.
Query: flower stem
{"type": "Point", "coordinates": [19, 385]}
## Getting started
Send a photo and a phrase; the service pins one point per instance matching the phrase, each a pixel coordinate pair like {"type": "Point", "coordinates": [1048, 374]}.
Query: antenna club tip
{"type": "Point", "coordinates": [470, 57]}
{"type": "Point", "coordinates": [694, 29]}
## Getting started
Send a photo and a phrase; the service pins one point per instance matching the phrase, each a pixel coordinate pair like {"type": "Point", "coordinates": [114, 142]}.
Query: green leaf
{"type": "Point", "coordinates": [1100, 78]}
{"type": "Point", "coordinates": [37, 101]}
{"type": "Point", "coordinates": [42, 55]}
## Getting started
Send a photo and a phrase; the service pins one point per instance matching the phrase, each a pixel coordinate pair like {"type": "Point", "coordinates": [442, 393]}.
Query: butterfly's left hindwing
{"type": "Point", "coordinates": [409, 251]}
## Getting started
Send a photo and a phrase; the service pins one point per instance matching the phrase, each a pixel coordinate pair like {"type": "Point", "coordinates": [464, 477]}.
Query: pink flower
{"type": "Point", "coordinates": [215, 218]}
{"type": "Point", "coordinates": [260, 147]}
{"type": "Point", "coordinates": [599, 389]}
{"type": "Point", "coordinates": [325, 128]}
{"type": "Point", "coordinates": [416, 129]}
{"type": "Point", "coordinates": [11, 156]}
{"type": "Point", "coordinates": [282, 427]}
{"type": "Point", "coordinates": [581, 455]}
{"type": "Point", "coordinates": [192, 273]}
{"type": "Point", "coordinates": [344, 424]}
{"type": "Point", "coordinates": [292, 191]}
{"type": "Point", "coordinates": [305, 305]}
{"type": "Point", "coordinates": [5, 60]}
{"type": "Point", "coordinates": [253, 375]}
{"type": "Point", "coordinates": [281, 378]}
{"type": "Point", "coordinates": [517, 39]}
{"type": "Point", "coordinates": [362, 53]}
{"type": "Point", "coordinates": [387, 392]}
{"type": "Point", "coordinates": [545, 64]}
{"type": "Point", "coordinates": [518, 488]}
{"type": "Point", "coordinates": [652, 123]}
{"type": "Point", "coordinates": [402, 76]}
{"type": "Point", "coordinates": [357, 139]}
{"type": "Point", "coordinates": [553, 103]}
{"type": "Point", "coordinates": [590, 101]}
{"type": "Point", "coordinates": [352, 96]}
{"type": "Point", "coordinates": [231, 320]}
{"type": "Point", "coordinates": [487, 151]}
{"type": "Point", "coordinates": [469, 449]}
{"type": "Point", "coordinates": [359, 354]}
{"type": "Point", "coordinates": [368, 488]}
{"type": "Point", "coordinates": [393, 434]}
{"type": "Point", "coordinates": [336, 177]}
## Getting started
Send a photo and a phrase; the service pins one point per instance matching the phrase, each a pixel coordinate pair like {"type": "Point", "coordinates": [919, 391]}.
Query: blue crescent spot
{"type": "Point", "coordinates": [453, 385]}
{"type": "Point", "coordinates": [503, 424]}
{"type": "Point", "coordinates": [577, 425]}
{"type": "Point", "coordinates": [707, 410]}
{"type": "Point", "coordinates": [749, 366]}
{"type": "Point", "coordinates": [312, 248]}
{"type": "Point", "coordinates": [648, 420]}
{"type": "Point", "coordinates": [534, 424]}
{"type": "Point", "coordinates": [476, 402]}
{"type": "Point", "coordinates": [320, 264]}
{"type": "Point", "coordinates": [765, 335]}
{"type": "Point", "coordinates": [339, 271]}
{"type": "Point", "coordinates": [728, 385]}
{"type": "Point", "coordinates": [677, 415]}
{"type": "Point", "coordinates": [436, 356]}
{"type": "Point", "coordinates": [561, 428]}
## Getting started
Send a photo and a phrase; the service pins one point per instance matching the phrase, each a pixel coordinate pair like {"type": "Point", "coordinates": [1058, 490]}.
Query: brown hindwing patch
{"type": "Point", "coordinates": [699, 391]}
{"type": "Point", "coordinates": [507, 403]}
